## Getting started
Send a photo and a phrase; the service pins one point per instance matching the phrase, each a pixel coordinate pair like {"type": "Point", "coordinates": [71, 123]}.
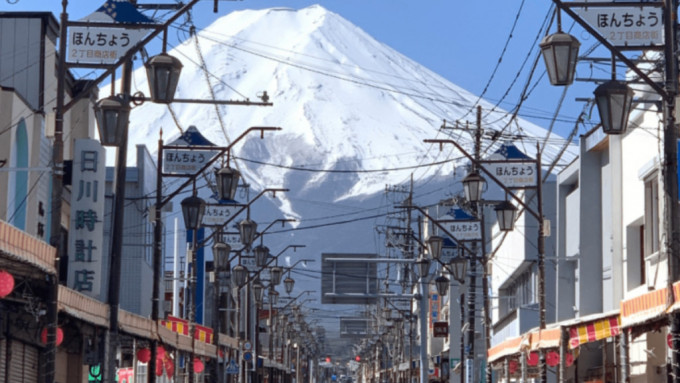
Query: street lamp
{"type": "Point", "coordinates": [275, 274]}
{"type": "Point", "coordinates": [614, 101]}
{"type": "Point", "coordinates": [163, 72]}
{"type": "Point", "coordinates": [239, 274]}
{"type": "Point", "coordinates": [227, 182]}
{"type": "Point", "coordinates": [505, 213]}
{"type": "Point", "coordinates": [560, 52]}
{"type": "Point", "coordinates": [422, 267]}
{"type": "Point", "coordinates": [221, 252]}
{"type": "Point", "coordinates": [112, 114]}
{"type": "Point", "coordinates": [288, 284]}
{"type": "Point", "coordinates": [247, 230]}
{"type": "Point", "coordinates": [442, 284]}
{"type": "Point", "coordinates": [474, 184]}
{"type": "Point", "coordinates": [435, 244]}
{"type": "Point", "coordinates": [261, 253]}
{"type": "Point", "coordinates": [258, 292]}
{"type": "Point", "coordinates": [193, 208]}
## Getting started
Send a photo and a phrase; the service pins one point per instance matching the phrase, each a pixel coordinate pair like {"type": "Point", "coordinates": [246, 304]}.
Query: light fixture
{"type": "Point", "coordinates": [614, 101]}
{"type": "Point", "coordinates": [473, 184]}
{"type": "Point", "coordinates": [227, 182]}
{"type": "Point", "coordinates": [275, 274]}
{"type": "Point", "coordinates": [288, 284]}
{"type": "Point", "coordinates": [247, 229]}
{"type": "Point", "coordinates": [422, 267]}
{"type": "Point", "coordinates": [459, 268]}
{"type": "Point", "coordinates": [221, 252]}
{"type": "Point", "coordinates": [435, 243]}
{"type": "Point", "coordinates": [273, 296]}
{"type": "Point", "coordinates": [112, 115]}
{"type": "Point", "coordinates": [442, 284]}
{"type": "Point", "coordinates": [193, 208]}
{"type": "Point", "coordinates": [505, 213]}
{"type": "Point", "coordinates": [261, 253]}
{"type": "Point", "coordinates": [258, 292]}
{"type": "Point", "coordinates": [560, 52]}
{"type": "Point", "coordinates": [163, 72]}
{"type": "Point", "coordinates": [239, 274]}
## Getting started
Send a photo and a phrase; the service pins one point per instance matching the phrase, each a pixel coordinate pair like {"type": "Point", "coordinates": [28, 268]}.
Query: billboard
{"type": "Point", "coordinates": [348, 278]}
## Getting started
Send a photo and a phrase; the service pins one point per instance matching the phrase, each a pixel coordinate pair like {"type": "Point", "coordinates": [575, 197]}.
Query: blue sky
{"type": "Point", "coordinates": [462, 41]}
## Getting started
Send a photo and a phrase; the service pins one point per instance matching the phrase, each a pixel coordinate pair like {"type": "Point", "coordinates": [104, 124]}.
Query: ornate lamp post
{"type": "Point", "coordinates": [193, 208]}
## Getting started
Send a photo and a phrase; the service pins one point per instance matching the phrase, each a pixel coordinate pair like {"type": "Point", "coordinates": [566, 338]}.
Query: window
{"type": "Point", "coordinates": [651, 225]}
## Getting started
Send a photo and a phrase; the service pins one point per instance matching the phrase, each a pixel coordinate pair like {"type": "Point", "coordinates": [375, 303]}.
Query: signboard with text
{"type": "Point", "coordinates": [86, 232]}
{"type": "Point", "coordinates": [626, 26]}
{"type": "Point", "coordinates": [464, 230]}
{"type": "Point", "coordinates": [101, 45]}
{"type": "Point", "coordinates": [513, 174]}
{"type": "Point", "coordinates": [217, 215]}
{"type": "Point", "coordinates": [186, 161]}
{"type": "Point", "coordinates": [440, 329]}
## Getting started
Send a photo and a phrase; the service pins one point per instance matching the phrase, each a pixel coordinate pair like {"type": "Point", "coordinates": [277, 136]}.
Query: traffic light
{"type": "Point", "coordinates": [357, 358]}
{"type": "Point", "coordinates": [328, 359]}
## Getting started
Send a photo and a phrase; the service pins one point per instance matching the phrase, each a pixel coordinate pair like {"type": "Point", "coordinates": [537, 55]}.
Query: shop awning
{"type": "Point", "coordinates": [648, 306]}
{"type": "Point", "coordinates": [582, 330]}
{"type": "Point", "coordinates": [18, 245]}
{"type": "Point", "coordinates": [594, 331]}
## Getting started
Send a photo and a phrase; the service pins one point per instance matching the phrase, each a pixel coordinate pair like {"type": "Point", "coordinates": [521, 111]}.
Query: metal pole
{"type": "Point", "coordinates": [117, 236]}
{"type": "Point", "coordinates": [192, 305]}
{"type": "Point", "coordinates": [424, 365]}
{"type": "Point", "coordinates": [56, 238]}
{"type": "Point", "coordinates": [541, 260]}
{"type": "Point", "coordinates": [157, 260]}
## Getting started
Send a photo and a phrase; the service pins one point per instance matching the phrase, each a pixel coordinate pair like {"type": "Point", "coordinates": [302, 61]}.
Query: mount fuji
{"type": "Point", "coordinates": [353, 112]}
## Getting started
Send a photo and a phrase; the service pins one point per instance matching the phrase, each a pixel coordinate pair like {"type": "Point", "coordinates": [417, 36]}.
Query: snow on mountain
{"type": "Point", "coordinates": [353, 112]}
{"type": "Point", "coordinates": [344, 100]}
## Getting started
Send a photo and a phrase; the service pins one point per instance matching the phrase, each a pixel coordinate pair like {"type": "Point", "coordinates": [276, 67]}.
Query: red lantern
{"type": "Point", "coordinates": [6, 283]}
{"type": "Point", "coordinates": [552, 359]}
{"type": "Point", "coordinates": [144, 355]}
{"type": "Point", "coordinates": [159, 368]}
{"type": "Point", "coordinates": [512, 366]}
{"type": "Point", "coordinates": [60, 335]}
{"type": "Point", "coordinates": [570, 359]}
{"type": "Point", "coordinates": [532, 359]}
{"type": "Point", "coordinates": [169, 367]}
{"type": "Point", "coordinates": [160, 352]}
{"type": "Point", "coordinates": [198, 366]}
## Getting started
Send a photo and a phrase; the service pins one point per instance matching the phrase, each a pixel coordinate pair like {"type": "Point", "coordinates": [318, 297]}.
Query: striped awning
{"type": "Point", "coordinates": [649, 306]}
{"type": "Point", "coordinates": [593, 331]}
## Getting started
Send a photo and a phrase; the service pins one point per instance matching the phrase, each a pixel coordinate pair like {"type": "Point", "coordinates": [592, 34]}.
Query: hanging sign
{"type": "Point", "coordinates": [217, 214]}
{"type": "Point", "coordinates": [626, 26]}
{"type": "Point", "coordinates": [440, 329]}
{"type": "Point", "coordinates": [464, 230]}
{"type": "Point", "coordinates": [513, 174]}
{"type": "Point", "coordinates": [101, 45]}
{"type": "Point", "coordinates": [186, 161]}
{"type": "Point", "coordinates": [86, 231]}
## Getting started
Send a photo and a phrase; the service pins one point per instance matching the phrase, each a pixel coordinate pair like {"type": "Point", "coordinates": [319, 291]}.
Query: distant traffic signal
{"type": "Point", "coordinates": [357, 358]}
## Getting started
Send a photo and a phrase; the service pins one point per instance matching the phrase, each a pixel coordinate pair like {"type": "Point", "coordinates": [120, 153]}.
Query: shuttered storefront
{"type": "Point", "coordinates": [23, 363]}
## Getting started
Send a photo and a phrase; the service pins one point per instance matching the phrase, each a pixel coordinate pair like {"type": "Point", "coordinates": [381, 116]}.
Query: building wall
{"type": "Point", "coordinates": [136, 268]}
